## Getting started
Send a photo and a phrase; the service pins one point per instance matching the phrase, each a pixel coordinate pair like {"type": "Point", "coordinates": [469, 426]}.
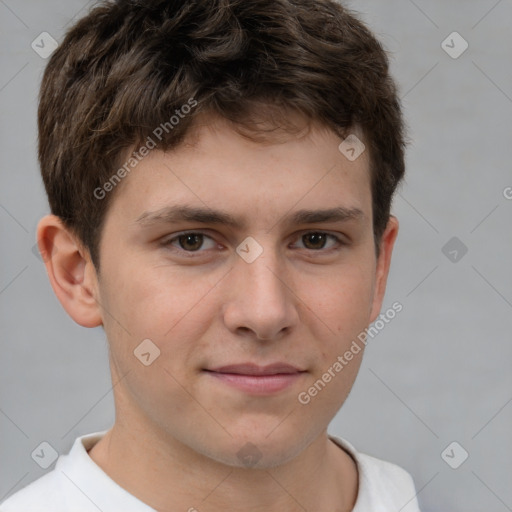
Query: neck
{"type": "Point", "coordinates": [171, 477]}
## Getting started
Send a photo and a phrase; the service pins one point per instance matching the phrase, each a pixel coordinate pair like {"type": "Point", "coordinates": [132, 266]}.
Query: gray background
{"type": "Point", "coordinates": [439, 372]}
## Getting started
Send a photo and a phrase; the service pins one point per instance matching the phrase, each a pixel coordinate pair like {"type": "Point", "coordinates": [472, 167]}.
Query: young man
{"type": "Point", "coordinates": [220, 175]}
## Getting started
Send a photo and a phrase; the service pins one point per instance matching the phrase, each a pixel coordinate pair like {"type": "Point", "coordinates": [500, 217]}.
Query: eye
{"type": "Point", "coordinates": [316, 240]}
{"type": "Point", "coordinates": [189, 242]}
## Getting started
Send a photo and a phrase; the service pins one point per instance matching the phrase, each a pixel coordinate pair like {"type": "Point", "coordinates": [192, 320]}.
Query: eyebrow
{"type": "Point", "coordinates": [180, 213]}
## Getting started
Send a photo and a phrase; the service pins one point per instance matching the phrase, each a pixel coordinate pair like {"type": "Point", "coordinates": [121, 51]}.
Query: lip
{"type": "Point", "coordinates": [257, 380]}
{"type": "Point", "coordinates": [254, 369]}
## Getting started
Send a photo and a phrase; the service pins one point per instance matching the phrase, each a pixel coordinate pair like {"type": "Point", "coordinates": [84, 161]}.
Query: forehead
{"type": "Point", "coordinates": [216, 167]}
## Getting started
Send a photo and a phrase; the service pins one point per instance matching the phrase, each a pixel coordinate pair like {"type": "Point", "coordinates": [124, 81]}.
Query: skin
{"type": "Point", "coordinates": [178, 429]}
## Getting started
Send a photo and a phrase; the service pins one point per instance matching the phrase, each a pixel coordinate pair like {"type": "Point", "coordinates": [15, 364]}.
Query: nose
{"type": "Point", "coordinates": [261, 302]}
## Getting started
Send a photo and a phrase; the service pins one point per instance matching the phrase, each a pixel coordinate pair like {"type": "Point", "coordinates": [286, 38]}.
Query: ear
{"type": "Point", "coordinates": [70, 270]}
{"type": "Point", "coordinates": [383, 263]}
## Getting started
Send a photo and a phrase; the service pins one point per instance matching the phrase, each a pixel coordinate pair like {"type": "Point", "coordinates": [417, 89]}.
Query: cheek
{"type": "Point", "coordinates": [340, 302]}
{"type": "Point", "coordinates": [168, 307]}
{"type": "Point", "coordinates": [338, 311]}
{"type": "Point", "coordinates": [157, 299]}
{"type": "Point", "coordinates": [164, 307]}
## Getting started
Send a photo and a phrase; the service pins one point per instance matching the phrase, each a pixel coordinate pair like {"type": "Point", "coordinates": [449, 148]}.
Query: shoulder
{"type": "Point", "coordinates": [383, 486]}
{"type": "Point", "coordinates": [61, 489]}
{"type": "Point", "coordinates": [76, 484]}
{"type": "Point", "coordinates": [45, 493]}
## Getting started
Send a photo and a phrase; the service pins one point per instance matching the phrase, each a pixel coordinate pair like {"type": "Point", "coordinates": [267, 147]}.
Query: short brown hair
{"type": "Point", "coordinates": [129, 65]}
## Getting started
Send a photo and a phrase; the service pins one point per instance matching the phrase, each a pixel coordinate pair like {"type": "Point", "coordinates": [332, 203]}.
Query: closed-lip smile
{"type": "Point", "coordinates": [257, 380]}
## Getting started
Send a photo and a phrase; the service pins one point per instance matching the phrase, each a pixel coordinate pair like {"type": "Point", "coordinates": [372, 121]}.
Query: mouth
{"type": "Point", "coordinates": [257, 380]}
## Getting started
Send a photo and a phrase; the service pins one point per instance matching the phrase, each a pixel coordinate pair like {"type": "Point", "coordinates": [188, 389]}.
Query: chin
{"type": "Point", "coordinates": [259, 450]}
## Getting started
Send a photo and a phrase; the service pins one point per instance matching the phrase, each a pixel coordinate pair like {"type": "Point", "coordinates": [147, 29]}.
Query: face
{"type": "Point", "coordinates": [222, 253]}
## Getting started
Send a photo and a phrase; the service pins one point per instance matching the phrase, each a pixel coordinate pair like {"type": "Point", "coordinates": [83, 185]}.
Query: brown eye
{"type": "Point", "coordinates": [315, 240]}
{"type": "Point", "coordinates": [191, 241]}
{"type": "Point", "coordinates": [318, 241]}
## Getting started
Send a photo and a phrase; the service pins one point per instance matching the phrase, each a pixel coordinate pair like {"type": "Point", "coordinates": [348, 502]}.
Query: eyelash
{"type": "Point", "coordinates": [167, 243]}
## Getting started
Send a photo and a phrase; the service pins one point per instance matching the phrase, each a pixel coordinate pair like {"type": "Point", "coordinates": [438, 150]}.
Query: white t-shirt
{"type": "Point", "coordinates": [78, 484]}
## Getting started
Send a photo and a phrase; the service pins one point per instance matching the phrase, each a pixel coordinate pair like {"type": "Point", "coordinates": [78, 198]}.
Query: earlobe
{"type": "Point", "coordinates": [383, 264]}
{"type": "Point", "coordinates": [70, 270]}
